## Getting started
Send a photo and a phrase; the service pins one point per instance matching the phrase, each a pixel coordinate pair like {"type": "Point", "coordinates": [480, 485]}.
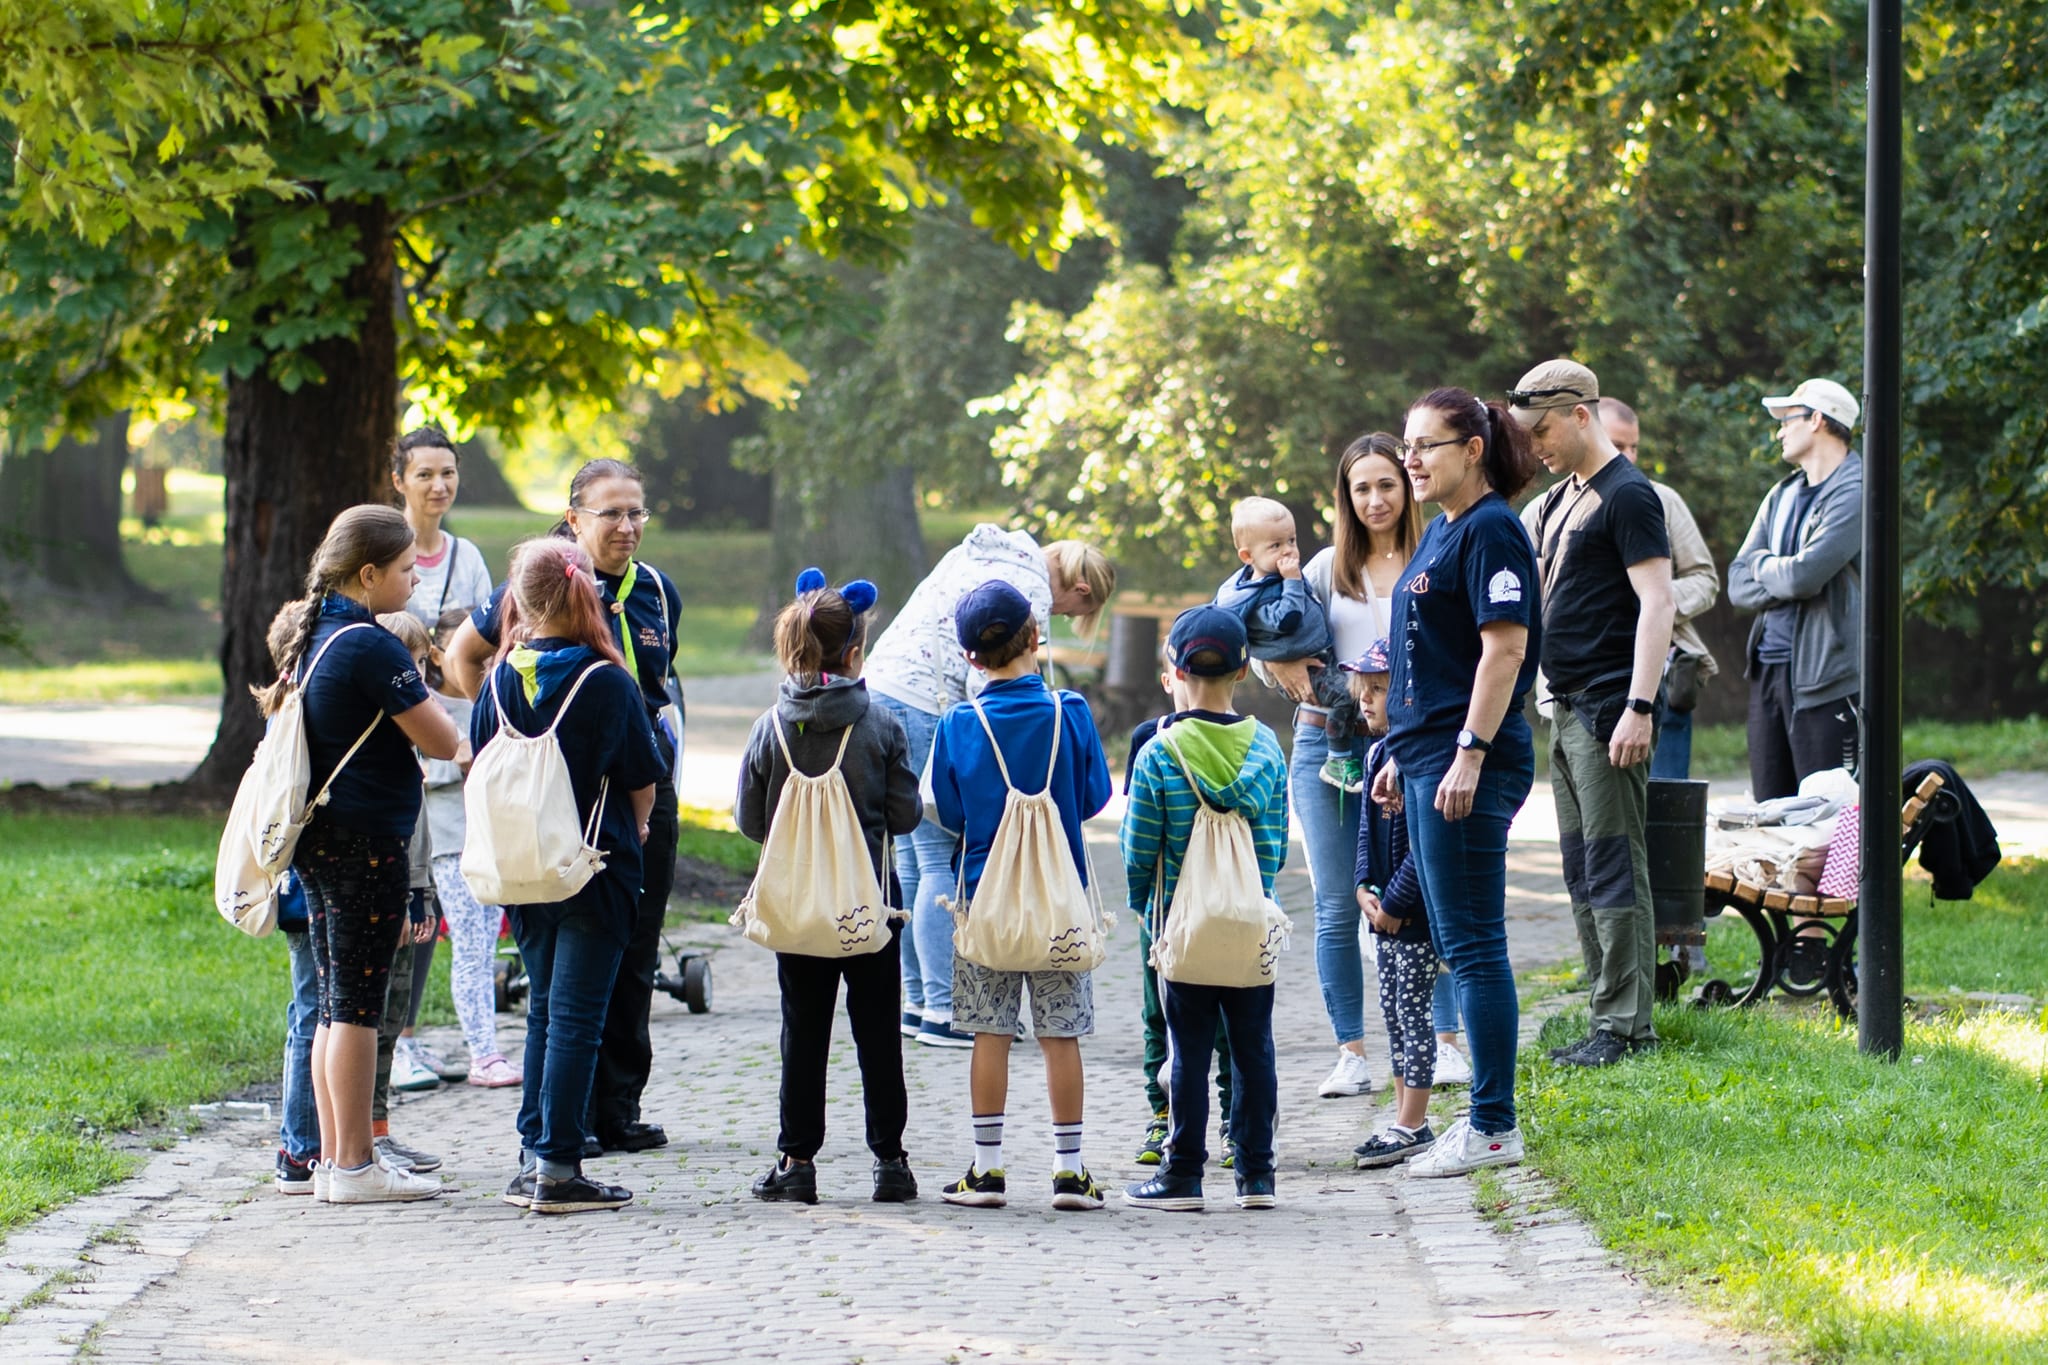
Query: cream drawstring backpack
{"type": "Point", "coordinates": [1030, 911]}
{"type": "Point", "coordinates": [524, 844]}
{"type": "Point", "coordinates": [1224, 930]}
{"type": "Point", "coordinates": [816, 892]}
{"type": "Point", "coordinates": [271, 810]}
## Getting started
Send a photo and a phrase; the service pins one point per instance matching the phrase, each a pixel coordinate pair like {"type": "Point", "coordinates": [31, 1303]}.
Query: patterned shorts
{"type": "Point", "coordinates": [988, 1001]}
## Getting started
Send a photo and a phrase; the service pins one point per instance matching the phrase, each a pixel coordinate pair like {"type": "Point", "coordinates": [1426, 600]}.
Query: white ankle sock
{"type": "Point", "coordinates": [988, 1143]}
{"type": "Point", "coordinates": [1066, 1148]}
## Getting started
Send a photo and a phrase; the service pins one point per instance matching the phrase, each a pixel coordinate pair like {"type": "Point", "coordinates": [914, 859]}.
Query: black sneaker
{"type": "Point", "coordinates": [1154, 1150]}
{"type": "Point", "coordinates": [788, 1182]}
{"type": "Point", "coordinates": [894, 1184]}
{"type": "Point", "coordinates": [1649, 1044]}
{"type": "Point", "coordinates": [293, 1177]}
{"type": "Point", "coordinates": [519, 1193]}
{"type": "Point", "coordinates": [1173, 1193]}
{"type": "Point", "coordinates": [634, 1137]}
{"type": "Point", "coordinates": [592, 1149]}
{"type": "Point", "coordinates": [577, 1194]}
{"type": "Point", "coordinates": [1391, 1146]}
{"type": "Point", "coordinates": [984, 1191]}
{"type": "Point", "coordinates": [1806, 962]}
{"type": "Point", "coordinates": [1255, 1192]}
{"type": "Point", "coordinates": [1075, 1192]}
{"type": "Point", "coordinates": [1558, 1054]}
{"type": "Point", "coordinates": [1602, 1049]}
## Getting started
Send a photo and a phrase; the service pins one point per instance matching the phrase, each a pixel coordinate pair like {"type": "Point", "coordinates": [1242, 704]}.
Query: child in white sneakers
{"type": "Point", "coordinates": [969, 789]}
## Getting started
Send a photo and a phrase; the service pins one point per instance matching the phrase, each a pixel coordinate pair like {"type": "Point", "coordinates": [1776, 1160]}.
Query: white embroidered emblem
{"type": "Point", "coordinates": [1504, 587]}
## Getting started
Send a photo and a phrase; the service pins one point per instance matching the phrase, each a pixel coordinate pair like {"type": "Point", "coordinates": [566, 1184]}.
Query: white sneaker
{"type": "Point", "coordinates": [378, 1183]}
{"type": "Point", "coordinates": [1451, 1067]}
{"type": "Point", "coordinates": [1464, 1148]}
{"type": "Point", "coordinates": [320, 1181]}
{"type": "Point", "coordinates": [1350, 1076]}
{"type": "Point", "coordinates": [408, 1072]}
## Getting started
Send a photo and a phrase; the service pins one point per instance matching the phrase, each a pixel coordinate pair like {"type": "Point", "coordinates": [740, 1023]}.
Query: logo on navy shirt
{"type": "Point", "coordinates": [1504, 587]}
{"type": "Point", "coordinates": [1419, 584]}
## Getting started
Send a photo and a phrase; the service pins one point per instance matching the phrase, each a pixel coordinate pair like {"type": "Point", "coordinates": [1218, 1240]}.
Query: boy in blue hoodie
{"type": "Point", "coordinates": [1235, 764]}
{"type": "Point", "coordinates": [969, 790]}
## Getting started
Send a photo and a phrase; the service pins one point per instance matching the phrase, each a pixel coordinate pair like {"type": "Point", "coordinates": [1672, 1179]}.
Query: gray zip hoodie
{"type": "Point", "coordinates": [876, 767]}
{"type": "Point", "coordinates": [1822, 578]}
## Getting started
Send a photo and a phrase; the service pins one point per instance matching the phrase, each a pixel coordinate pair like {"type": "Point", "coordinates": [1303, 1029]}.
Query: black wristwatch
{"type": "Point", "coordinates": [1468, 740]}
{"type": "Point", "coordinates": [1641, 707]}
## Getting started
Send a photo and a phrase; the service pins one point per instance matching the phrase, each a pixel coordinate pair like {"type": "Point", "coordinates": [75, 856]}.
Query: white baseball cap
{"type": "Point", "coordinates": [1824, 396]}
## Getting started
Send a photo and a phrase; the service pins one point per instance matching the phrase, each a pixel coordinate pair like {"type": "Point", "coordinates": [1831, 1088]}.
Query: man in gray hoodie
{"type": "Point", "coordinates": [1799, 570]}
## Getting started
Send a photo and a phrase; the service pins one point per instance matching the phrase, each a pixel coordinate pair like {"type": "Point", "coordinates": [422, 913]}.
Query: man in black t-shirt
{"type": "Point", "coordinates": [1604, 557]}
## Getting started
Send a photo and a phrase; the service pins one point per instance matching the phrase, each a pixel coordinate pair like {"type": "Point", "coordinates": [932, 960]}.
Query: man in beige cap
{"type": "Point", "coordinates": [1695, 583]}
{"type": "Point", "coordinates": [1605, 559]}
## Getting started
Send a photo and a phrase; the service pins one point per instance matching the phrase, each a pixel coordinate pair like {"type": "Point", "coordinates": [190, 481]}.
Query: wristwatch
{"type": "Point", "coordinates": [1641, 707]}
{"type": "Point", "coordinates": [1468, 740]}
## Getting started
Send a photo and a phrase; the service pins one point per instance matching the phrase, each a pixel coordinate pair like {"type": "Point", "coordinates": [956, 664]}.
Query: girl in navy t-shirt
{"type": "Point", "coordinates": [555, 630]}
{"type": "Point", "coordinates": [352, 858]}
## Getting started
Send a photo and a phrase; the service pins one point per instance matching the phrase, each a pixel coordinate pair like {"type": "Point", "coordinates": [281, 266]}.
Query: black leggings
{"type": "Point", "coordinates": [356, 893]}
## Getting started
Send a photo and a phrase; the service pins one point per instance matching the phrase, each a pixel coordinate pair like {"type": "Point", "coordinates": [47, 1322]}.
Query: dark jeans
{"type": "Point", "coordinates": [299, 1129]}
{"type": "Point", "coordinates": [1787, 744]}
{"type": "Point", "coordinates": [874, 998]}
{"type": "Point", "coordinates": [1463, 866]}
{"type": "Point", "coordinates": [625, 1058]}
{"type": "Point", "coordinates": [571, 961]}
{"type": "Point", "coordinates": [1672, 759]}
{"type": "Point", "coordinates": [1154, 1014]}
{"type": "Point", "coordinates": [1246, 1014]}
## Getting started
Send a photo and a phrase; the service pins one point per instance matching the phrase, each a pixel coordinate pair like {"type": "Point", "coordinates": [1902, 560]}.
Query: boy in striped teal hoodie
{"type": "Point", "coordinates": [1235, 765]}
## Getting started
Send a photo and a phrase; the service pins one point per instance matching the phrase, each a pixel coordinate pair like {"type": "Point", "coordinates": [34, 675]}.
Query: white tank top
{"type": "Point", "coordinates": [1357, 622]}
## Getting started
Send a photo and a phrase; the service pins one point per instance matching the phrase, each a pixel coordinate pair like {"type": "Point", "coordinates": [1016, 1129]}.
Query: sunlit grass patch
{"type": "Point", "coordinates": [134, 680]}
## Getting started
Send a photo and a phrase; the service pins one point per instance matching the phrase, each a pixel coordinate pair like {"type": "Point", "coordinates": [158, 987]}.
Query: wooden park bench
{"type": "Point", "coordinates": [1776, 916]}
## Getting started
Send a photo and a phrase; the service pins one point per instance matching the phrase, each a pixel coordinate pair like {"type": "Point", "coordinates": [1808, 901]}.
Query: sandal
{"type": "Point", "coordinates": [494, 1072]}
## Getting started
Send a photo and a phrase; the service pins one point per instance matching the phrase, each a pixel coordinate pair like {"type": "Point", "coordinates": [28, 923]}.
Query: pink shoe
{"type": "Point", "coordinates": [494, 1072]}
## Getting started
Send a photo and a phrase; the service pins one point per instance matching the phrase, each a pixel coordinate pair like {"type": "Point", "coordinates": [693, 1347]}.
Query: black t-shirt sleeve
{"type": "Point", "coordinates": [1635, 517]}
{"type": "Point", "coordinates": [635, 761]}
{"type": "Point", "coordinates": [1498, 571]}
{"type": "Point", "coordinates": [384, 672]}
{"type": "Point", "coordinates": [488, 617]}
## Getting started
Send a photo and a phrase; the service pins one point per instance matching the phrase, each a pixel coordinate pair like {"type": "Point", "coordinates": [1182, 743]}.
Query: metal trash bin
{"type": "Point", "coordinates": [1676, 833]}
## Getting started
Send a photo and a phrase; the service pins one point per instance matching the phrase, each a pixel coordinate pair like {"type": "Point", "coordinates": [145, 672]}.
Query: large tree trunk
{"type": "Point", "coordinates": [294, 461]}
{"type": "Point", "coordinates": [862, 530]}
{"type": "Point", "coordinates": [62, 509]}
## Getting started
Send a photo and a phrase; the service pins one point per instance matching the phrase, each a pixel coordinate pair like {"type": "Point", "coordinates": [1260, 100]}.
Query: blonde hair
{"type": "Point", "coordinates": [409, 631]}
{"type": "Point", "coordinates": [1249, 513]}
{"type": "Point", "coordinates": [1076, 561]}
{"type": "Point", "coordinates": [369, 535]}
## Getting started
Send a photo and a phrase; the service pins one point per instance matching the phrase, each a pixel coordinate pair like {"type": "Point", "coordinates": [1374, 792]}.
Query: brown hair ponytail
{"type": "Point", "coordinates": [361, 537]}
{"type": "Point", "coordinates": [814, 633]}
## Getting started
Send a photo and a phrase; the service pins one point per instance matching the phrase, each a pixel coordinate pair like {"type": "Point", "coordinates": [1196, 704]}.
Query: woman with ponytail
{"type": "Point", "coordinates": [555, 630]}
{"type": "Point", "coordinates": [352, 858]}
{"type": "Point", "coordinates": [821, 642]}
{"type": "Point", "coordinates": [606, 515]}
{"type": "Point", "coordinates": [1467, 622]}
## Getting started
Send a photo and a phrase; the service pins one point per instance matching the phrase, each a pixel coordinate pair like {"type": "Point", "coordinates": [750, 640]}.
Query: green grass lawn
{"type": "Point", "coordinates": [1978, 749]}
{"type": "Point", "coordinates": [1860, 1210]}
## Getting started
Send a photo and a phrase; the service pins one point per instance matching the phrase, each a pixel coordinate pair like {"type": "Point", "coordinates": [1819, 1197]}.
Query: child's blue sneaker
{"type": "Point", "coordinates": [934, 1033]}
{"type": "Point", "coordinates": [1173, 1193]}
{"type": "Point", "coordinates": [1255, 1192]}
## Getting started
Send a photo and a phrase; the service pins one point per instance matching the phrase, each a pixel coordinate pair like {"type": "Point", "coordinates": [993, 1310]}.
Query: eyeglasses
{"type": "Point", "coordinates": [1419, 448]}
{"type": "Point", "coordinates": [1526, 398]}
{"type": "Point", "coordinates": [1794, 415]}
{"type": "Point", "coordinates": [612, 516]}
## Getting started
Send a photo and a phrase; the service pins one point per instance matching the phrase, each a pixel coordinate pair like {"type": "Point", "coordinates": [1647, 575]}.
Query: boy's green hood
{"type": "Point", "coordinates": [1214, 755]}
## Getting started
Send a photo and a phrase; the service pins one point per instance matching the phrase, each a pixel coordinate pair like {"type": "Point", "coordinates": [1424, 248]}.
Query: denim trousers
{"type": "Point", "coordinates": [1245, 1014]}
{"type": "Point", "coordinates": [1463, 867]}
{"type": "Point", "coordinates": [571, 962]}
{"type": "Point", "coordinates": [924, 868]}
{"type": "Point", "coordinates": [299, 1128]}
{"type": "Point", "coordinates": [1443, 1003]}
{"type": "Point", "coordinates": [1672, 759]}
{"type": "Point", "coordinates": [1329, 830]}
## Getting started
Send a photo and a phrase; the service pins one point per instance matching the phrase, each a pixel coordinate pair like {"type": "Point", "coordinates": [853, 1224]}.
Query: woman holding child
{"type": "Point", "coordinates": [1460, 760]}
{"type": "Point", "coordinates": [1378, 526]}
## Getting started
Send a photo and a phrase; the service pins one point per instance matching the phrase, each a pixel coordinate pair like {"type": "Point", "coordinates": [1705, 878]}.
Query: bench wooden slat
{"type": "Point", "coordinates": [1775, 899]}
{"type": "Point", "coordinates": [1720, 881]}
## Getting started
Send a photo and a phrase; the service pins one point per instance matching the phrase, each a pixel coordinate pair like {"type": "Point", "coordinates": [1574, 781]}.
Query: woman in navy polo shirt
{"type": "Point", "coordinates": [556, 629]}
{"type": "Point", "coordinates": [606, 515]}
{"type": "Point", "coordinates": [352, 857]}
{"type": "Point", "coordinates": [1467, 623]}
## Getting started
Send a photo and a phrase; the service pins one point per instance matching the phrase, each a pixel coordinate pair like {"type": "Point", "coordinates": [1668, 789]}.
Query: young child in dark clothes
{"type": "Point", "coordinates": [1390, 898]}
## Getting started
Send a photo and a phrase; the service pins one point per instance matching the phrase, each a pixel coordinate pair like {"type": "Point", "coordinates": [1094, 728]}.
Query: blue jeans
{"type": "Point", "coordinates": [1329, 830]}
{"type": "Point", "coordinates": [924, 868]}
{"type": "Point", "coordinates": [1672, 759]}
{"type": "Point", "coordinates": [1443, 1004]}
{"type": "Point", "coordinates": [1463, 867]}
{"type": "Point", "coordinates": [299, 1128]}
{"type": "Point", "coordinates": [570, 963]}
{"type": "Point", "coordinates": [1246, 1015]}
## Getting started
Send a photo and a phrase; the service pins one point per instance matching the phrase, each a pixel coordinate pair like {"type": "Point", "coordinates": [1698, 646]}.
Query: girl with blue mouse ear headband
{"type": "Point", "coordinates": [823, 638]}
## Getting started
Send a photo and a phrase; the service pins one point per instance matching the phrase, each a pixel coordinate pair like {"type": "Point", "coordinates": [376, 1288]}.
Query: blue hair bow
{"type": "Point", "coordinates": [860, 594]}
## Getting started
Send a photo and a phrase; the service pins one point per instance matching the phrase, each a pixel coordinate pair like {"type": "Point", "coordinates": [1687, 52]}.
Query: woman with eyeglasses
{"type": "Point", "coordinates": [1467, 625]}
{"type": "Point", "coordinates": [606, 516]}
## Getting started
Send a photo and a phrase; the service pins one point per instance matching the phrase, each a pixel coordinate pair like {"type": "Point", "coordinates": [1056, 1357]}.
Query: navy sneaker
{"type": "Point", "coordinates": [1393, 1145]}
{"type": "Point", "coordinates": [1173, 1193]}
{"type": "Point", "coordinates": [577, 1194]}
{"type": "Point", "coordinates": [934, 1034]}
{"type": "Point", "coordinates": [293, 1177]}
{"type": "Point", "coordinates": [913, 1020]}
{"type": "Point", "coordinates": [1075, 1191]}
{"type": "Point", "coordinates": [987, 1190]}
{"type": "Point", "coordinates": [1255, 1192]}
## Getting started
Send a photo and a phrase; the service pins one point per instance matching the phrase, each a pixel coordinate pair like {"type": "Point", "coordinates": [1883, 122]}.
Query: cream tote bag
{"type": "Point", "coordinates": [271, 810]}
{"type": "Point", "coordinates": [1224, 930]}
{"type": "Point", "coordinates": [1030, 912]}
{"type": "Point", "coordinates": [524, 844]}
{"type": "Point", "coordinates": [815, 892]}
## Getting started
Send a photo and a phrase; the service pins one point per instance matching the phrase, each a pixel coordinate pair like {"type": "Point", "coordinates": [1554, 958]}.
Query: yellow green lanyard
{"type": "Point", "coordinates": [619, 610]}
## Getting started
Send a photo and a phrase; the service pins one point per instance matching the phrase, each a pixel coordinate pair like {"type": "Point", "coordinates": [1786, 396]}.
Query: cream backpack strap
{"type": "Point", "coordinates": [1059, 723]}
{"type": "Point", "coordinates": [321, 798]}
